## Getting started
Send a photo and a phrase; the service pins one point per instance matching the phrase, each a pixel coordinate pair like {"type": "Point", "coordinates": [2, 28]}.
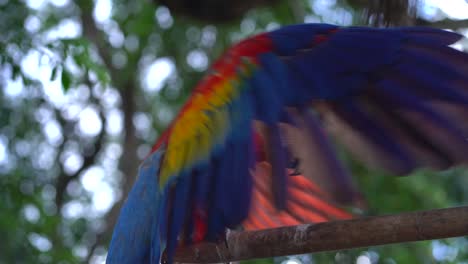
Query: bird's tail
{"type": "Point", "coordinates": [136, 237]}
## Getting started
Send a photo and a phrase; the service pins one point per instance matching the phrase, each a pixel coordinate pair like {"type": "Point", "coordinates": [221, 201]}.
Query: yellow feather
{"type": "Point", "coordinates": [202, 126]}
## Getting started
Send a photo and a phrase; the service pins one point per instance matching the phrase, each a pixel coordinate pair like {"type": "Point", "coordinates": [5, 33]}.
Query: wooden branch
{"type": "Point", "coordinates": [337, 235]}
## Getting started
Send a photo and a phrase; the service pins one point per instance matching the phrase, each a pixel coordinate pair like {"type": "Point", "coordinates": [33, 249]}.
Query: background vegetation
{"type": "Point", "coordinates": [87, 86]}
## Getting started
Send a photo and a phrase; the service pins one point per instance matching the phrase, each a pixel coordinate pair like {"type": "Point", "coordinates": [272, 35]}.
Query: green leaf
{"type": "Point", "coordinates": [16, 70]}
{"type": "Point", "coordinates": [102, 75]}
{"type": "Point", "coordinates": [66, 80]}
{"type": "Point", "coordinates": [53, 75]}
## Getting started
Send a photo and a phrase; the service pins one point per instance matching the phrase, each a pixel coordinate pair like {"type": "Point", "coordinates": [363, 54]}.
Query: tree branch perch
{"type": "Point", "coordinates": [329, 236]}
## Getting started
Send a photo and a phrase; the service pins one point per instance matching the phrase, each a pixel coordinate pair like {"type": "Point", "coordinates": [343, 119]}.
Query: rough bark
{"type": "Point", "coordinates": [338, 235]}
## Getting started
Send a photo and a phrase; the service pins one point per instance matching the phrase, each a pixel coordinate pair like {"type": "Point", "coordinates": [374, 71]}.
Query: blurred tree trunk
{"type": "Point", "coordinates": [127, 87]}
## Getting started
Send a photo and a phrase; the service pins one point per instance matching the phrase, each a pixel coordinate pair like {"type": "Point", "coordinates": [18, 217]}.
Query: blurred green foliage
{"type": "Point", "coordinates": [80, 106]}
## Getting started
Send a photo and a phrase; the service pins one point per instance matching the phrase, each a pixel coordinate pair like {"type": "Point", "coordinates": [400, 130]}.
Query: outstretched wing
{"type": "Point", "coordinates": [395, 98]}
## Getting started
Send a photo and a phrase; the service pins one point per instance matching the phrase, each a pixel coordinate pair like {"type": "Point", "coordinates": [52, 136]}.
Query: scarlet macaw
{"type": "Point", "coordinates": [395, 98]}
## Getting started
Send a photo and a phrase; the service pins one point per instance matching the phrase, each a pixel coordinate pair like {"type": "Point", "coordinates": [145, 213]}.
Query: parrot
{"type": "Point", "coordinates": [257, 145]}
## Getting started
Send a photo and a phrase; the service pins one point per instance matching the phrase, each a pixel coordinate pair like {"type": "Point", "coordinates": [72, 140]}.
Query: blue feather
{"type": "Point", "coordinates": [220, 166]}
{"type": "Point", "coordinates": [375, 133]}
{"type": "Point", "coordinates": [277, 71]}
{"type": "Point", "coordinates": [238, 188]}
{"type": "Point", "coordinates": [136, 234]}
{"type": "Point", "coordinates": [400, 98]}
{"type": "Point", "coordinates": [278, 161]}
{"type": "Point", "coordinates": [427, 83]}
{"type": "Point", "coordinates": [287, 40]}
{"type": "Point", "coordinates": [268, 103]}
{"type": "Point", "coordinates": [339, 180]}
{"type": "Point", "coordinates": [430, 36]}
{"type": "Point", "coordinates": [178, 211]}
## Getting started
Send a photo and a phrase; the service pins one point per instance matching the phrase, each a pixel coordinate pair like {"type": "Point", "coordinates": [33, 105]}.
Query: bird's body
{"type": "Point", "coordinates": [395, 98]}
